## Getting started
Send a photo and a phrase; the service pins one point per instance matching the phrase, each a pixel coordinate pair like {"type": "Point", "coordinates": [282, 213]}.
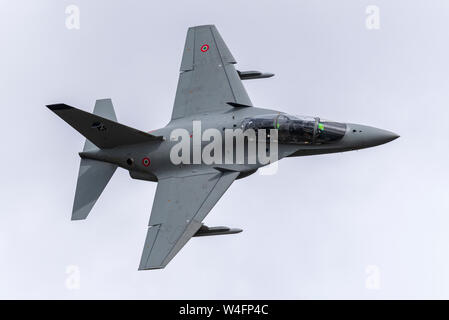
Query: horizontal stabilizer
{"type": "Point", "coordinates": [102, 132]}
{"type": "Point", "coordinates": [249, 75]}
{"type": "Point", "coordinates": [215, 231]}
{"type": "Point", "coordinates": [93, 177]}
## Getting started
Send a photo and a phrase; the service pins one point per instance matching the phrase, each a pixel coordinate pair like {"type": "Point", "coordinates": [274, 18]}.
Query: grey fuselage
{"type": "Point", "coordinates": [130, 157]}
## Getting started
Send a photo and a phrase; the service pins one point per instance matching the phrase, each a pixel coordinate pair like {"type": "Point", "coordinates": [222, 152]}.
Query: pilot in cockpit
{"type": "Point", "coordinates": [297, 130]}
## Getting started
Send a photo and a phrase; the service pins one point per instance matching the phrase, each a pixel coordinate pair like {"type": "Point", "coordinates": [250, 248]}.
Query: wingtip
{"type": "Point", "coordinates": [201, 26]}
{"type": "Point", "coordinates": [104, 100]}
{"type": "Point", "coordinates": [77, 219]}
{"type": "Point", "coordinates": [143, 268]}
{"type": "Point", "coordinates": [58, 106]}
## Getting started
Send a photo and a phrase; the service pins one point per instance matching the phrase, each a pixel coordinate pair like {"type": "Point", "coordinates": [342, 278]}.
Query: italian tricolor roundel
{"type": "Point", "coordinates": [146, 162]}
{"type": "Point", "coordinates": [204, 47]}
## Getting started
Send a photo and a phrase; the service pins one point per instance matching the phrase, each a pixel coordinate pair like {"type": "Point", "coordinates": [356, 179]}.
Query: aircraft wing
{"type": "Point", "coordinates": [208, 79]}
{"type": "Point", "coordinates": [179, 207]}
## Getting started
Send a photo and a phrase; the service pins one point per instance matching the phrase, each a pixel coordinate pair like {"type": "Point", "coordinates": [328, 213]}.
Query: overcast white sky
{"type": "Point", "coordinates": [311, 231]}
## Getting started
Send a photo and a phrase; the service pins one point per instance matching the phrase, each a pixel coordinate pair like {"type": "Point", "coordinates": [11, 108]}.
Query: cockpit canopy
{"type": "Point", "coordinates": [297, 130]}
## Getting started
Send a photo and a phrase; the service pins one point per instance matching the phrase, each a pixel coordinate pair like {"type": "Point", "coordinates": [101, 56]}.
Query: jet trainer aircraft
{"type": "Point", "coordinates": [209, 90]}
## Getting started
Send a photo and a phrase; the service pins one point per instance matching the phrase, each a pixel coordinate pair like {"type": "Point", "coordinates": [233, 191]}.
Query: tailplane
{"type": "Point", "coordinates": [102, 131]}
{"type": "Point", "coordinates": [93, 177]}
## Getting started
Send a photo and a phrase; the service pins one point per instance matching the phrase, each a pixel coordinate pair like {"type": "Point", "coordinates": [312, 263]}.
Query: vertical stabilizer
{"type": "Point", "coordinates": [93, 175]}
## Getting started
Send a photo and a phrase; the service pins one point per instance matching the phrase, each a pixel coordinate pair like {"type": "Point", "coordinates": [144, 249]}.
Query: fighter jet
{"type": "Point", "coordinates": [210, 93]}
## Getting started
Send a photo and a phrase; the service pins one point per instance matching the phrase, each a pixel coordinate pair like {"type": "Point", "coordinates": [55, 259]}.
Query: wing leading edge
{"type": "Point", "coordinates": [180, 205]}
{"type": "Point", "coordinates": [208, 79]}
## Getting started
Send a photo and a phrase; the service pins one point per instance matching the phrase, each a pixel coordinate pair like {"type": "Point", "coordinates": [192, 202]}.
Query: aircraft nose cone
{"type": "Point", "coordinates": [364, 136]}
{"type": "Point", "coordinates": [380, 136]}
{"type": "Point", "coordinates": [388, 136]}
